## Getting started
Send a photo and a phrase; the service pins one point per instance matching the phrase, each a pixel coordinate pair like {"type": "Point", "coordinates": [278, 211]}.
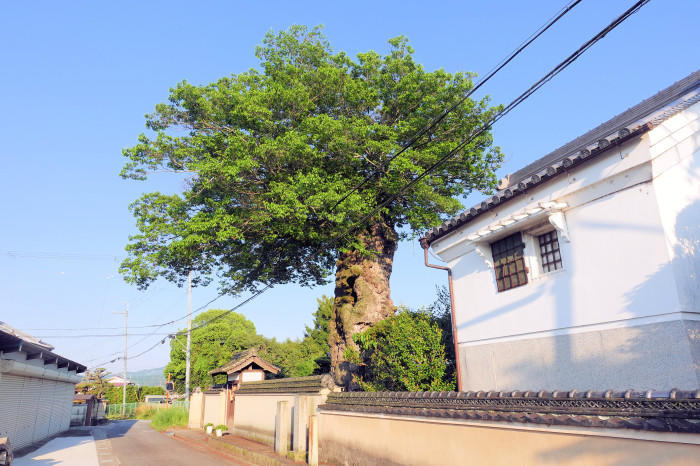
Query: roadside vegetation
{"type": "Point", "coordinates": [171, 417]}
{"type": "Point", "coordinates": [147, 411]}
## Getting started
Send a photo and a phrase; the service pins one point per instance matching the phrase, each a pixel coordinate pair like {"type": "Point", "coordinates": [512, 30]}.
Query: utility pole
{"type": "Point", "coordinates": [189, 335]}
{"type": "Point", "coordinates": [126, 341]}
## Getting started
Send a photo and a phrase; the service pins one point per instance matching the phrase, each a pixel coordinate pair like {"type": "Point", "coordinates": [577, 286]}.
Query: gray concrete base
{"type": "Point", "coordinates": [658, 356]}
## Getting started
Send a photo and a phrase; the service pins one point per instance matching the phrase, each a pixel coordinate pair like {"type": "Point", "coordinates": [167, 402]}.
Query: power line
{"type": "Point", "coordinates": [100, 335]}
{"type": "Point", "coordinates": [146, 335]}
{"type": "Point", "coordinates": [58, 255]}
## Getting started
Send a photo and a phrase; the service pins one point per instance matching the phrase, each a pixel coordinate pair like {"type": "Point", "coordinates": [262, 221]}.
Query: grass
{"type": "Point", "coordinates": [171, 417]}
{"type": "Point", "coordinates": [145, 411]}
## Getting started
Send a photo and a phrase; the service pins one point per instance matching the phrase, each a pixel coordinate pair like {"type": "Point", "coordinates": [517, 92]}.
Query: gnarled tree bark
{"type": "Point", "coordinates": [362, 296]}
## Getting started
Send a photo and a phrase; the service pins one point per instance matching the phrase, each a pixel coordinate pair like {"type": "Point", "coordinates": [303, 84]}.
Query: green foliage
{"type": "Point", "coordinates": [170, 417]}
{"type": "Point", "coordinates": [95, 382]}
{"type": "Point", "coordinates": [212, 346]}
{"type": "Point", "coordinates": [134, 394]}
{"type": "Point", "coordinates": [441, 311]}
{"type": "Point", "coordinates": [306, 357]}
{"type": "Point", "coordinates": [270, 153]}
{"type": "Point", "coordinates": [207, 425]}
{"type": "Point", "coordinates": [114, 394]}
{"type": "Point", "coordinates": [405, 352]}
{"type": "Point", "coordinates": [150, 390]}
{"type": "Point", "coordinates": [221, 427]}
{"type": "Point", "coordinates": [215, 344]}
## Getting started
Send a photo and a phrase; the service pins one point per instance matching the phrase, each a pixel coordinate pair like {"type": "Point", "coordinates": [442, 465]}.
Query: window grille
{"type": "Point", "coordinates": [508, 262]}
{"type": "Point", "coordinates": [549, 251]}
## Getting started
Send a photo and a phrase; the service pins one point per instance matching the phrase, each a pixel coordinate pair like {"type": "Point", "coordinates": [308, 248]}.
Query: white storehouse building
{"type": "Point", "coordinates": [583, 271]}
{"type": "Point", "coordinates": [36, 388]}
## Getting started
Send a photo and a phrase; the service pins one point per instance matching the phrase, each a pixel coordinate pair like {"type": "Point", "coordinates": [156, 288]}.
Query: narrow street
{"type": "Point", "coordinates": [136, 443]}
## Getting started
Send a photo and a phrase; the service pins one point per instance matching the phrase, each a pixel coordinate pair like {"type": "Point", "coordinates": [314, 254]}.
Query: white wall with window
{"type": "Point", "coordinates": [591, 279]}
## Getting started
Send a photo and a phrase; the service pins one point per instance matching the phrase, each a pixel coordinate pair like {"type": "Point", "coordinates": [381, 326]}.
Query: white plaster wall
{"type": "Point", "coordinates": [633, 217]}
{"type": "Point", "coordinates": [676, 148]}
{"type": "Point", "coordinates": [255, 415]}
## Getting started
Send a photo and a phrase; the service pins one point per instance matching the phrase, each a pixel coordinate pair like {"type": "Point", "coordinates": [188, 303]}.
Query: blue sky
{"type": "Point", "coordinates": [77, 78]}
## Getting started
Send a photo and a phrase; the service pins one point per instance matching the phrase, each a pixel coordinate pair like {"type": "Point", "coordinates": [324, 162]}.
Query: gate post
{"type": "Point", "coordinates": [282, 428]}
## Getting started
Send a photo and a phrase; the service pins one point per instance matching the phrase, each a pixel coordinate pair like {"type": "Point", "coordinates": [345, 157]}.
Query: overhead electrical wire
{"type": "Point", "coordinates": [521, 98]}
{"type": "Point", "coordinates": [199, 309]}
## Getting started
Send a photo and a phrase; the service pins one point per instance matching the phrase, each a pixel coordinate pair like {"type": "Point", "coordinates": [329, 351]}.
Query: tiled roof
{"type": "Point", "coordinates": [311, 384]}
{"type": "Point", "coordinates": [627, 125]}
{"type": "Point", "coordinates": [674, 411]}
{"type": "Point", "coordinates": [241, 359]}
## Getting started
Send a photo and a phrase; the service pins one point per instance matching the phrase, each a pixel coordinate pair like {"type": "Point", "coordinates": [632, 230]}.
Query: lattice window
{"type": "Point", "coordinates": [549, 251]}
{"type": "Point", "coordinates": [508, 262]}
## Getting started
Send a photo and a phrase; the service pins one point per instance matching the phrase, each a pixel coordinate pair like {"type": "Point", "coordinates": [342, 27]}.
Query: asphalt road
{"type": "Point", "coordinates": [136, 443]}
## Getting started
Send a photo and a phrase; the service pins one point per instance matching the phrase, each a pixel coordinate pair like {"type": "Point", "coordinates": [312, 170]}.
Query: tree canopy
{"type": "Point", "coordinates": [270, 152]}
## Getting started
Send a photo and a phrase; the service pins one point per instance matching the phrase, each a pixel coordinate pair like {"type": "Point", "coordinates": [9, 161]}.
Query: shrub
{"type": "Point", "coordinates": [404, 352]}
{"type": "Point", "coordinates": [207, 425]}
{"type": "Point", "coordinates": [170, 417]}
{"type": "Point", "coordinates": [221, 427]}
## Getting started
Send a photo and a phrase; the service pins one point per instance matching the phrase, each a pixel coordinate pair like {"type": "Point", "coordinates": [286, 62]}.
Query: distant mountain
{"type": "Point", "coordinates": [147, 377]}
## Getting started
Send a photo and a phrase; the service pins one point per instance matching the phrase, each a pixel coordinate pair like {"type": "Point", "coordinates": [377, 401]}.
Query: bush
{"type": "Point", "coordinates": [170, 417]}
{"type": "Point", "coordinates": [207, 425]}
{"type": "Point", "coordinates": [405, 352]}
{"type": "Point", "coordinates": [221, 427]}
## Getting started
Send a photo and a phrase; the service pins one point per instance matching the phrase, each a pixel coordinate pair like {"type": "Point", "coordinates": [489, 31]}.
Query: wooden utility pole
{"type": "Point", "coordinates": [189, 336]}
{"type": "Point", "coordinates": [126, 341]}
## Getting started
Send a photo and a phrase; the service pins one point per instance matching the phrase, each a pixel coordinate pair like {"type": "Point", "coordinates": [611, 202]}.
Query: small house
{"type": "Point", "coordinates": [119, 381]}
{"type": "Point", "coordinates": [583, 270]}
{"type": "Point", "coordinates": [245, 366]}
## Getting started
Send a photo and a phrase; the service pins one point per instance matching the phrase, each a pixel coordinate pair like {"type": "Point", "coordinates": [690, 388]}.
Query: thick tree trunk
{"type": "Point", "coordinates": [362, 296]}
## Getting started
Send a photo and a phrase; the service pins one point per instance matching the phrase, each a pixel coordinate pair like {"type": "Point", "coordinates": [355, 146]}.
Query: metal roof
{"type": "Point", "coordinates": [629, 124]}
{"type": "Point", "coordinates": [12, 339]}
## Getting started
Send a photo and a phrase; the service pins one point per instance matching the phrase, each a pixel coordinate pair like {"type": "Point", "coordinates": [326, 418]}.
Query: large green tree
{"type": "Point", "coordinates": [272, 156]}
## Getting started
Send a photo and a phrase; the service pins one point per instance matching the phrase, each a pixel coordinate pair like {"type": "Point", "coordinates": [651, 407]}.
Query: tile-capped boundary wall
{"type": "Point", "coordinates": [510, 428]}
{"type": "Point", "coordinates": [674, 411]}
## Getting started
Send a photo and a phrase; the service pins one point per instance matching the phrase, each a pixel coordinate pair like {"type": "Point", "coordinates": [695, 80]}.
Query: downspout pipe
{"type": "Point", "coordinates": [424, 244]}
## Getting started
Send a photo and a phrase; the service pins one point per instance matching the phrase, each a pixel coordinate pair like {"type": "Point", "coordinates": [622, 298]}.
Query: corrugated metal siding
{"type": "Point", "coordinates": [52, 400]}
{"type": "Point", "coordinates": [32, 409]}
{"type": "Point", "coordinates": [27, 412]}
{"type": "Point", "coordinates": [67, 390]}
{"type": "Point", "coordinates": [11, 387]}
{"type": "Point", "coordinates": [43, 414]}
{"type": "Point", "coordinates": [57, 411]}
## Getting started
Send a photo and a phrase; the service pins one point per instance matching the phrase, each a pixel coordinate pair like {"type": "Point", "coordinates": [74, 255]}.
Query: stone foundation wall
{"type": "Point", "coordinates": [659, 356]}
